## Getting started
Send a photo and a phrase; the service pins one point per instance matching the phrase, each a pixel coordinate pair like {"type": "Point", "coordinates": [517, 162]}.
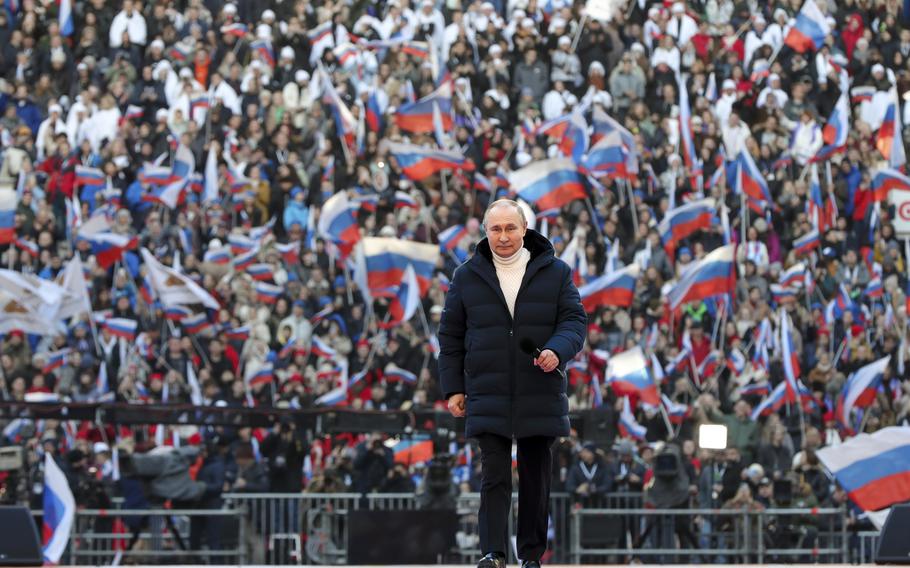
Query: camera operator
{"type": "Point", "coordinates": [792, 531]}
{"type": "Point", "coordinates": [286, 450]}
{"type": "Point", "coordinates": [252, 476]}
{"type": "Point", "coordinates": [438, 489]}
{"type": "Point", "coordinates": [217, 467]}
{"type": "Point", "coordinates": [588, 480]}
{"type": "Point", "coordinates": [372, 464]}
{"type": "Point", "coordinates": [669, 489]}
{"type": "Point", "coordinates": [398, 480]}
{"type": "Point", "coordinates": [628, 472]}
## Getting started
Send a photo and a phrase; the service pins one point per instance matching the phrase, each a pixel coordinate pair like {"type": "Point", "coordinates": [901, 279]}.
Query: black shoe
{"type": "Point", "coordinates": [530, 564]}
{"type": "Point", "coordinates": [492, 560]}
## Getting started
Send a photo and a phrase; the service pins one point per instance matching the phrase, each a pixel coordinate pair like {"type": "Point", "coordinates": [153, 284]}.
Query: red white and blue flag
{"type": "Point", "coordinates": [806, 243]}
{"type": "Point", "coordinates": [417, 117]}
{"type": "Point", "coordinates": [449, 238]}
{"type": "Point", "coordinates": [614, 289]}
{"type": "Point", "coordinates": [549, 184]}
{"type": "Point", "coordinates": [59, 511]}
{"type": "Point", "coordinates": [773, 402]}
{"type": "Point", "coordinates": [267, 293]}
{"type": "Point", "coordinates": [571, 131]}
{"type": "Point", "coordinates": [320, 348]}
{"type": "Point", "coordinates": [683, 221]}
{"type": "Point", "coordinates": [608, 157]}
{"type": "Point", "coordinates": [421, 162]}
{"type": "Point", "coordinates": [56, 359]}
{"type": "Point", "coordinates": [713, 275]}
{"type": "Point", "coordinates": [602, 125]}
{"type": "Point", "coordinates": [628, 426]}
{"type": "Point", "coordinates": [385, 260]}
{"type": "Point", "coordinates": [90, 177]}
{"type": "Point", "coordinates": [406, 301]}
{"type": "Point", "coordinates": [393, 372]}
{"type": "Point", "coordinates": [627, 374]}
{"type": "Point", "coordinates": [859, 391]}
{"type": "Point", "coordinates": [263, 374]}
{"type": "Point", "coordinates": [810, 29]}
{"type": "Point", "coordinates": [750, 181]}
{"type": "Point", "coordinates": [122, 327]}
{"type": "Point", "coordinates": [108, 248]}
{"type": "Point", "coordinates": [874, 469]}
{"type": "Point", "coordinates": [887, 179]}
{"type": "Point", "coordinates": [338, 222]}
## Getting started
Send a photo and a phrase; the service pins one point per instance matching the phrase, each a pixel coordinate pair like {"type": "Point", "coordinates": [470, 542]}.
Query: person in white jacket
{"type": "Point", "coordinates": [129, 20]}
{"type": "Point", "coordinates": [49, 129]}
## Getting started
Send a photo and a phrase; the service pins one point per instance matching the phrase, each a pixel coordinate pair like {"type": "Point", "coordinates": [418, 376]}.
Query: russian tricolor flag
{"type": "Point", "coordinates": [241, 333]}
{"type": "Point", "coordinates": [789, 356]}
{"type": "Point", "coordinates": [89, 177]}
{"type": "Point", "coordinates": [810, 28]}
{"type": "Point", "coordinates": [887, 179]}
{"type": "Point", "coordinates": [627, 374]}
{"type": "Point", "coordinates": [220, 255]}
{"type": "Point", "coordinates": [603, 124]}
{"type": "Point", "coordinates": [417, 117]}
{"type": "Point", "coordinates": [608, 157]}
{"type": "Point", "coordinates": [684, 220]}
{"type": "Point", "coordinates": [151, 175]}
{"type": "Point", "coordinates": [393, 372]}
{"type": "Point", "coordinates": [613, 289]}
{"type": "Point", "coordinates": [420, 162]}
{"type": "Point", "coordinates": [859, 391]}
{"type": "Point", "coordinates": [28, 246]}
{"type": "Point", "coordinates": [549, 184]}
{"type": "Point", "coordinates": [245, 260]}
{"type": "Point", "coordinates": [386, 259]}
{"type": "Point", "coordinates": [264, 48]}
{"type": "Point", "coordinates": [405, 201]}
{"type": "Point", "coordinates": [338, 222]}
{"type": "Point", "coordinates": [56, 359]}
{"type": "Point", "coordinates": [376, 106]}
{"type": "Point", "coordinates": [122, 327]}
{"type": "Point", "coordinates": [290, 252]}
{"type": "Point", "coordinates": [628, 426]}
{"type": "Point", "coordinates": [713, 275]}
{"type": "Point", "coordinates": [65, 17]}
{"type": "Point", "coordinates": [874, 469]}
{"type": "Point", "coordinates": [235, 29]}
{"type": "Point", "coordinates": [262, 375]}
{"type": "Point", "coordinates": [449, 238]}
{"type": "Point", "coordinates": [260, 271]}
{"type": "Point", "coordinates": [837, 127]}
{"type": "Point", "coordinates": [571, 131]}
{"type": "Point", "coordinates": [794, 277]}
{"type": "Point", "coordinates": [806, 243]}
{"type": "Point", "coordinates": [177, 313]}
{"type": "Point", "coordinates": [59, 511]}
{"type": "Point", "coordinates": [750, 181]}
{"type": "Point", "coordinates": [677, 412]}
{"type": "Point", "coordinates": [268, 293]}
{"type": "Point", "coordinates": [406, 301]}
{"type": "Point", "coordinates": [196, 324]}
{"type": "Point", "coordinates": [773, 402]}
{"type": "Point", "coordinates": [108, 248]}
{"type": "Point", "coordinates": [7, 216]}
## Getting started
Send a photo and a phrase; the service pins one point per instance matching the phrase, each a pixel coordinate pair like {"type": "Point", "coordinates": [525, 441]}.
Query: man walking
{"type": "Point", "coordinates": [513, 293]}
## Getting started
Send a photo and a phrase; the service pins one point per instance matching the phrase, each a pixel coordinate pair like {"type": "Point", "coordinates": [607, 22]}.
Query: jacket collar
{"type": "Point", "coordinates": [542, 254]}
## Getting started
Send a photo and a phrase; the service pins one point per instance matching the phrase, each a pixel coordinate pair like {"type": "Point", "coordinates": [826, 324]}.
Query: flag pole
{"type": "Point", "coordinates": [670, 430]}
{"type": "Point", "coordinates": [632, 206]}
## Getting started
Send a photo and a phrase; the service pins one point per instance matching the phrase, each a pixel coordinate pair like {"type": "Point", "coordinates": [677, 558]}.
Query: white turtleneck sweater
{"type": "Point", "coordinates": [510, 270]}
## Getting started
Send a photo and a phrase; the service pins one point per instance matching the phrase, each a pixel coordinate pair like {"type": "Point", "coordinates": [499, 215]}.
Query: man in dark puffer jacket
{"type": "Point", "coordinates": [513, 291]}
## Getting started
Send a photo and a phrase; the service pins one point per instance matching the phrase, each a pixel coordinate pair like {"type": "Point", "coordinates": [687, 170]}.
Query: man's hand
{"type": "Point", "coordinates": [456, 405]}
{"type": "Point", "coordinates": [547, 360]}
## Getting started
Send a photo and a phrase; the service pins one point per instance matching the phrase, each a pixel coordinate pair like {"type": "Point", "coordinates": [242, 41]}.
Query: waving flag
{"type": "Point", "coordinates": [887, 179]}
{"type": "Point", "coordinates": [859, 391]}
{"type": "Point", "coordinates": [794, 277]}
{"type": "Point", "coordinates": [322, 349]}
{"type": "Point", "coordinates": [608, 157]}
{"type": "Point", "coordinates": [683, 221]}
{"type": "Point", "coordinates": [874, 288]}
{"type": "Point", "coordinates": [713, 275]}
{"type": "Point", "coordinates": [420, 162]}
{"type": "Point", "coordinates": [177, 313]}
{"type": "Point", "coordinates": [613, 289]}
{"type": "Point", "coordinates": [449, 238]}
{"type": "Point", "coordinates": [393, 372]}
{"type": "Point", "coordinates": [108, 248]}
{"type": "Point", "coordinates": [196, 324]}
{"type": "Point", "coordinates": [122, 327]}
{"type": "Point", "coordinates": [790, 357]}
{"type": "Point", "coordinates": [627, 374]}
{"type": "Point", "coordinates": [690, 156]}
{"type": "Point", "coordinates": [263, 48]}
{"type": "Point", "coordinates": [406, 301]}
{"type": "Point", "coordinates": [385, 261]}
{"type": "Point", "coordinates": [59, 511]}
{"type": "Point", "coordinates": [7, 216]}
{"type": "Point", "coordinates": [602, 125]}
{"type": "Point", "coordinates": [241, 333]}
{"type": "Point", "coordinates": [836, 129]}
{"type": "Point", "coordinates": [173, 287]}
{"type": "Point", "coordinates": [571, 131]}
{"type": "Point", "coordinates": [806, 243]}
{"type": "Point", "coordinates": [628, 426]}
{"type": "Point", "coordinates": [65, 17]}
{"type": "Point", "coordinates": [773, 402]}
{"type": "Point", "coordinates": [267, 293]}
{"type": "Point", "coordinates": [345, 123]}
{"type": "Point", "coordinates": [375, 109]}
{"type": "Point", "coordinates": [810, 29]}
{"type": "Point", "coordinates": [56, 359]}
{"type": "Point", "coordinates": [90, 177]}
{"type": "Point", "coordinates": [417, 117]}
{"type": "Point", "coordinates": [751, 182]}
{"type": "Point", "coordinates": [676, 411]}
{"type": "Point", "coordinates": [264, 374]}
{"type": "Point", "coordinates": [890, 141]}
{"type": "Point", "coordinates": [338, 222]}
{"type": "Point", "coordinates": [549, 184]}
{"type": "Point", "coordinates": [874, 469]}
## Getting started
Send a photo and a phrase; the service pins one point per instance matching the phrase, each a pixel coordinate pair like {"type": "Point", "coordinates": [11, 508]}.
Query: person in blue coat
{"type": "Point", "coordinates": [513, 292]}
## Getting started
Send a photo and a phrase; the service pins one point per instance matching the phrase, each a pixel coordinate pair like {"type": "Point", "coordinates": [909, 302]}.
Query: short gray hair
{"type": "Point", "coordinates": [505, 203]}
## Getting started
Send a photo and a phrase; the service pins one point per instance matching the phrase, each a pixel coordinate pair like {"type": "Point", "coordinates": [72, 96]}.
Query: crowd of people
{"type": "Point", "coordinates": [257, 97]}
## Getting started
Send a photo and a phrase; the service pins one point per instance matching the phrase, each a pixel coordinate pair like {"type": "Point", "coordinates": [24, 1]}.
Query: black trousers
{"type": "Point", "coordinates": [534, 467]}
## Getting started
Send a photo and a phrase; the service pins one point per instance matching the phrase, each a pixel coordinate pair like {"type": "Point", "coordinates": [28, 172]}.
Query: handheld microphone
{"type": "Point", "coordinates": [527, 345]}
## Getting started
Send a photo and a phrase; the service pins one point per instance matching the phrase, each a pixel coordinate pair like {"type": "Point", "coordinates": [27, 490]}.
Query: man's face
{"type": "Point", "coordinates": [505, 230]}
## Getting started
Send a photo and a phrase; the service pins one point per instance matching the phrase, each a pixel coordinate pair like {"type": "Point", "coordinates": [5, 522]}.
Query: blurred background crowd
{"type": "Point", "coordinates": [211, 136]}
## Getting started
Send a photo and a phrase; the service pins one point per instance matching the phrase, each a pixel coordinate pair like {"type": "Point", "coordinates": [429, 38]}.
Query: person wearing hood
{"type": "Point", "coordinates": [514, 295]}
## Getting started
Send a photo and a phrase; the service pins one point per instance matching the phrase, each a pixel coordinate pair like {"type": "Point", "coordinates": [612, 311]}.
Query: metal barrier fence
{"type": "Point", "coordinates": [307, 528]}
{"type": "Point", "coordinates": [709, 535]}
